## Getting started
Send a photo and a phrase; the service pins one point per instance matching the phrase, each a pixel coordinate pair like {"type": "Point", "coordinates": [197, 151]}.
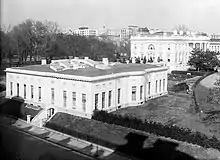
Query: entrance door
{"type": "Point", "coordinates": [50, 112]}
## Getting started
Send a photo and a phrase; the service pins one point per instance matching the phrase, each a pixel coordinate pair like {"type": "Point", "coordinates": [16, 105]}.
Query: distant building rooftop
{"type": "Point", "coordinates": [87, 68]}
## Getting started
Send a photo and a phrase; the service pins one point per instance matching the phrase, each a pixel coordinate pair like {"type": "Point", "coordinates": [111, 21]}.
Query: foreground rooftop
{"type": "Point", "coordinates": [87, 67]}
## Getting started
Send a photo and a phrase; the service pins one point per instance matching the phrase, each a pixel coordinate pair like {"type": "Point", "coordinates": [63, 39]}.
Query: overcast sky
{"type": "Point", "coordinates": [201, 15]}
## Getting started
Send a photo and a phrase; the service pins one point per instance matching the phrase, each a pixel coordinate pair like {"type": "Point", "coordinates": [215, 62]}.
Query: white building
{"type": "Point", "coordinates": [171, 49]}
{"type": "Point", "coordinates": [79, 86]}
{"type": "Point", "coordinates": [85, 31]}
{"type": "Point", "coordinates": [215, 43]}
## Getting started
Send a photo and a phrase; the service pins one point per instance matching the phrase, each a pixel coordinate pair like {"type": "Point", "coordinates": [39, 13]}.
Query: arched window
{"type": "Point", "coordinates": [151, 47]}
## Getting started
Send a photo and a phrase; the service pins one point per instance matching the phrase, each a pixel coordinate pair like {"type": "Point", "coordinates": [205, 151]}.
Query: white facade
{"type": "Point", "coordinates": [169, 49]}
{"type": "Point", "coordinates": [81, 95]}
{"type": "Point", "coordinates": [86, 32]}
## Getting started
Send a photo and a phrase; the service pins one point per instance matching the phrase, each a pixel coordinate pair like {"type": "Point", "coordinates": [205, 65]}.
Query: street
{"type": "Point", "coordinates": [17, 145]}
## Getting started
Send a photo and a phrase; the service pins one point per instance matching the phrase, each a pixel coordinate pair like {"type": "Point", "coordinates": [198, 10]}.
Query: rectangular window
{"type": "Point", "coordinates": [134, 88]}
{"type": "Point", "coordinates": [156, 86]}
{"type": "Point", "coordinates": [163, 84]}
{"type": "Point", "coordinates": [148, 88]}
{"type": "Point", "coordinates": [160, 86]}
{"type": "Point", "coordinates": [39, 93]}
{"type": "Point", "coordinates": [119, 95]}
{"type": "Point", "coordinates": [109, 98]}
{"type": "Point", "coordinates": [17, 89]}
{"type": "Point", "coordinates": [96, 101]}
{"type": "Point", "coordinates": [103, 100]}
{"type": "Point", "coordinates": [64, 98]}
{"type": "Point", "coordinates": [24, 91]}
{"type": "Point", "coordinates": [141, 92]}
{"type": "Point", "coordinates": [11, 88]}
{"type": "Point", "coordinates": [84, 102]}
{"type": "Point", "coordinates": [52, 95]}
{"type": "Point", "coordinates": [32, 91]}
{"type": "Point", "coordinates": [74, 99]}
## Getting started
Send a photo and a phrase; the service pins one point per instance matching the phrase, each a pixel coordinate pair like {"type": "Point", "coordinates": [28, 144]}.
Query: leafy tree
{"type": "Point", "coordinates": [137, 60]}
{"type": "Point", "coordinates": [202, 60]}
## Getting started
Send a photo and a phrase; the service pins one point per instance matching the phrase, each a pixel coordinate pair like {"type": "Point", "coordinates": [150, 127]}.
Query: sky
{"type": "Point", "coordinates": [199, 15]}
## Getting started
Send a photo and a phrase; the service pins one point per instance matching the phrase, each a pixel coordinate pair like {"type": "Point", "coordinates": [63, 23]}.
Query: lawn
{"type": "Point", "coordinates": [168, 109]}
{"type": "Point", "coordinates": [129, 141]}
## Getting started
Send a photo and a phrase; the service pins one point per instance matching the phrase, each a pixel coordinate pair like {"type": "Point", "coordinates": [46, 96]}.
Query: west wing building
{"type": "Point", "coordinates": [170, 49]}
{"type": "Point", "coordinates": [79, 86]}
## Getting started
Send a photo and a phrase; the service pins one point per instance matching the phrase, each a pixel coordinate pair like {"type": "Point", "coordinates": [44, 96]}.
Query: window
{"type": "Point", "coordinates": [141, 92]}
{"type": "Point", "coordinates": [11, 88]}
{"type": "Point", "coordinates": [156, 86]}
{"type": "Point", "coordinates": [133, 93]}
{"type": "Point", "coordinates": [17, 89]}
{"type": "Point", "coordinates": [32, 91]}
{"type": "Point", "coordinates": [39, 92]}
{"type": "Point", "coordinates": [96, 101]}
{"type": "Point", "coordinates": [74, 99]}
{"type": "Point", "coordinates": [168, 60]}
{"type": "Point", "coordinates": [103, 100]}
{"type": "Point", "coordinates": [109, 98]}
{"type": "Point", "coordinates": [119, 95]}
{"type": "Point", "coordinates": [163, 84]}
{"type": "Point", "coordinates": [148, 88]}
{"type": "Point", "coordinates": [52, 95]}
{"type": "Point", "coordinates": [84, 102]}
{"type": "Point", "coordinates": [64, 98]}
{"type": "Point", "coordinates": [24, 91]}
{"type": "Point", "coordinates": [160, 86]}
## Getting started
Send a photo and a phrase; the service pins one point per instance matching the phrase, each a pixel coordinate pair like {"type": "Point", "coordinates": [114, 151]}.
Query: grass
{"type": "Point", "coordinates": [93, 128]}
{"type": "Point", "coordinates": [163, 109]}
{"type": "Point", "coordinates": [119, 136]}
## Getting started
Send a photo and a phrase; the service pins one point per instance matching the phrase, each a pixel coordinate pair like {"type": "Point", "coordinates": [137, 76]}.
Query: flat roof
{"type": "Point", "coordinates": [92, 71]}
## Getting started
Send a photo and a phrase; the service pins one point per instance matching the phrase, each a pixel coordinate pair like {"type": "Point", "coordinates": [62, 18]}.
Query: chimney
{"type": "Point", "coordinates": [86, 58]}
{"type": "Point", "coordinates": [76, 57]}
{"type": "Point", "coordinates": [105, 61]}
{"type": "Point", "coordinates": [43, 61]}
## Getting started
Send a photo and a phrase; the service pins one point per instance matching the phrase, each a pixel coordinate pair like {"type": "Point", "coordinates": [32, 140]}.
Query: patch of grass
{"type": "Point", "coordinates": [108, 132]}
{"type": "Point", "coordinates": [161, 109]}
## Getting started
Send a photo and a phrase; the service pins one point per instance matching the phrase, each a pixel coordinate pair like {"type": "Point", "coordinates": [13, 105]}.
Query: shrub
{"type": "Point", "coordinates": [180, 87]}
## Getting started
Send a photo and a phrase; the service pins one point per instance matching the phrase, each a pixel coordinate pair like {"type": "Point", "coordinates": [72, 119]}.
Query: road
{"type": "Point", "coordinates": [16, 145]}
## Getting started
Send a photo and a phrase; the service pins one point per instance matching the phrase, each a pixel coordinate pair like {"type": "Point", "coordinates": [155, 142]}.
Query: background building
{"type": "Point", "coordinates": [171, 49]}
{"type": "Point", "coordinates": [79, 86]}
{"type": "Point", "coordinates": [215, 43]}
{"type": "Point", "coordinates": [85, 31]}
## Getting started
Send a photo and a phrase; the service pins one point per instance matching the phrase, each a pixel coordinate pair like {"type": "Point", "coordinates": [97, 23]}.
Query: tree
{"type": "Point", "coordinates": [144, 60]}
{"type": "Point", "coordinates": [137, 60]}
{"type": "Point", "coordinates": [202, 60]}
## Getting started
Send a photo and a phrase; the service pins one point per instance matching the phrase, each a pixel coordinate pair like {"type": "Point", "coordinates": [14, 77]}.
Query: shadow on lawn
{"type": "Point", "coordinates": [161, 149]}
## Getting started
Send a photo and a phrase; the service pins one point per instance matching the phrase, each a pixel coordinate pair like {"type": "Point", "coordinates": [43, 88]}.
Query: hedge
{"type": "Point", "coordinates": [196, 73]}
{"type": "Point", "coordinates": [174, 132]}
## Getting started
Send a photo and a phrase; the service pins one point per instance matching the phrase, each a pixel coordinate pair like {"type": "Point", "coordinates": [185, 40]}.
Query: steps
{"type": "Point", "coordinates": [39, 118]}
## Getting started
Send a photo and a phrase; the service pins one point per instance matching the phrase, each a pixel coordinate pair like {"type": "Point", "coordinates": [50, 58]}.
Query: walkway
{"type": "Point", "coordinates": [210, 80]}
{"type": "Point", "coordinates": [62, 140]}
